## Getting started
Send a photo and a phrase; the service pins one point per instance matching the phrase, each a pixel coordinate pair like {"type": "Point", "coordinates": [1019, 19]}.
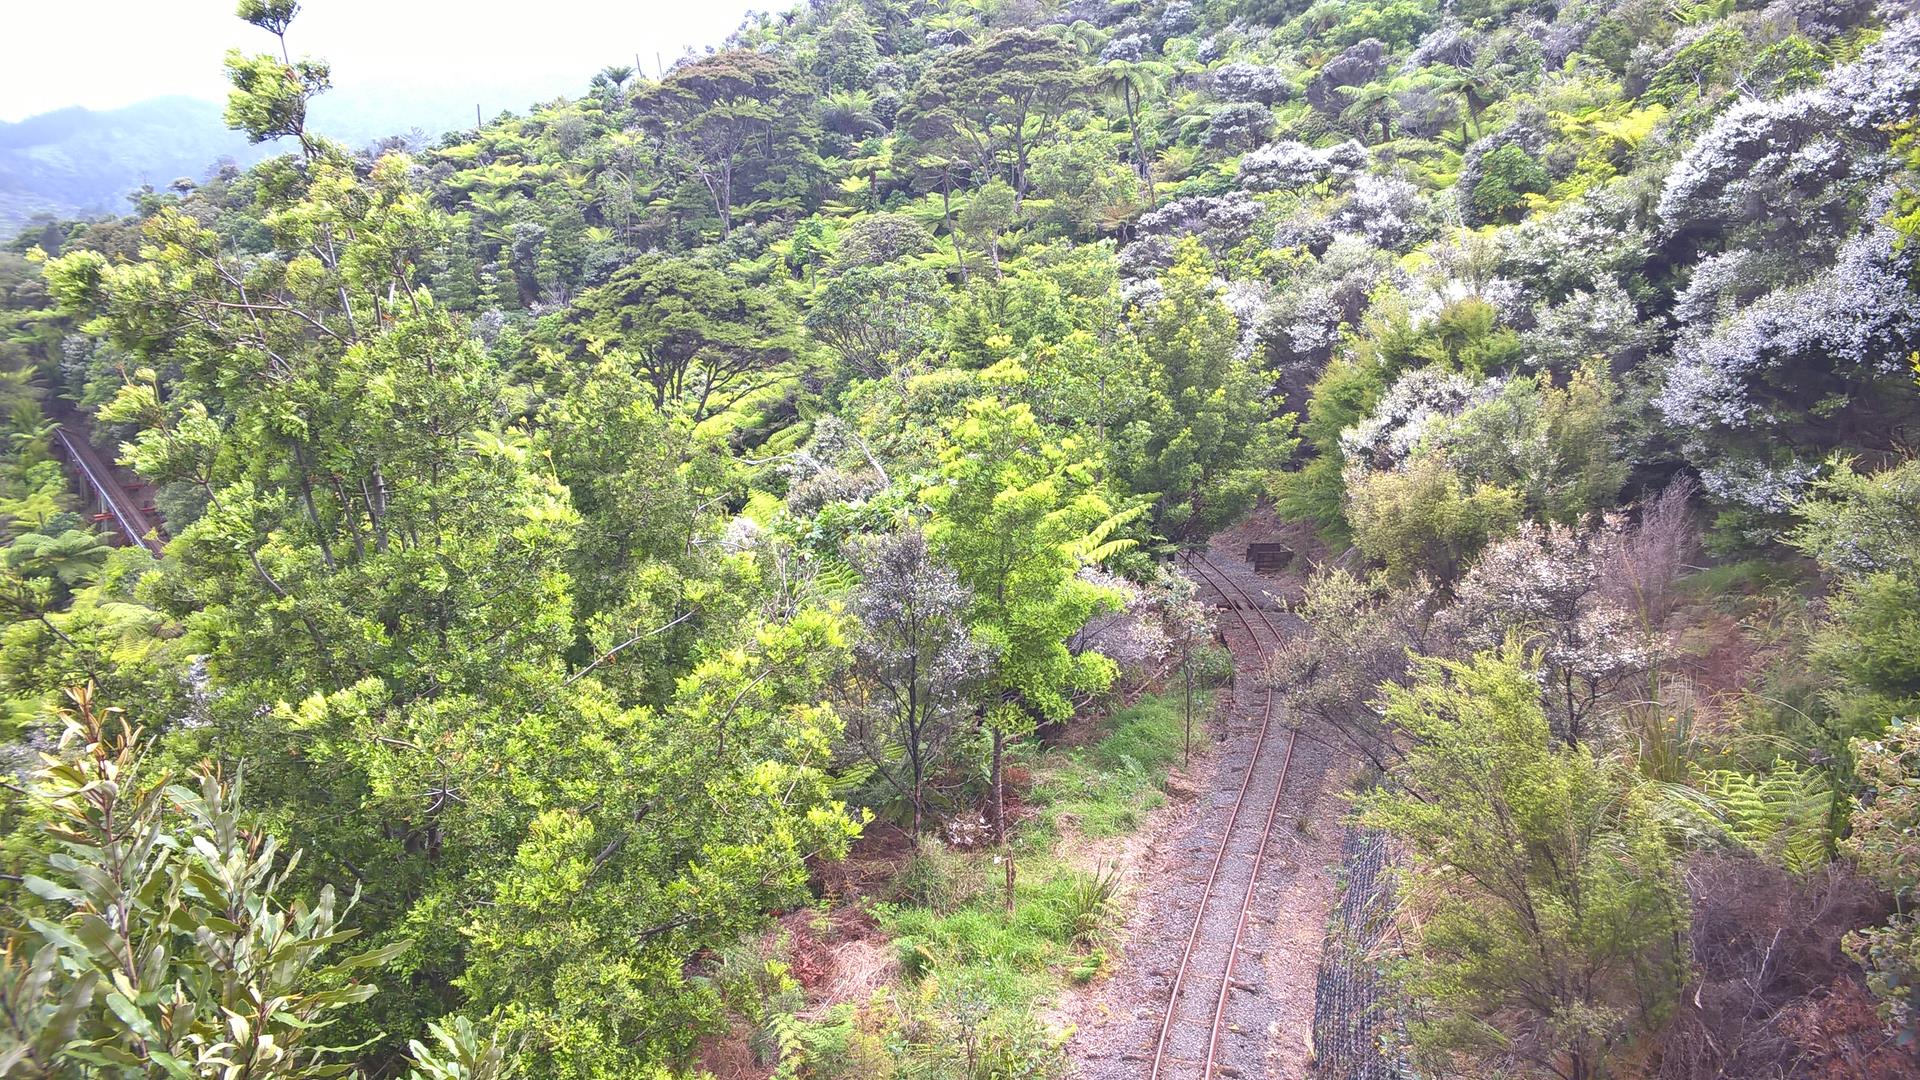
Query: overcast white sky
{"type": "Point", "coordinates": [107, 53]}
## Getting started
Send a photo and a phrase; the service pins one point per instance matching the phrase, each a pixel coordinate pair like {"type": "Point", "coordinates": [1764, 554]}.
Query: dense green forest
{"type": "Point", "coordinates": [581, 531]}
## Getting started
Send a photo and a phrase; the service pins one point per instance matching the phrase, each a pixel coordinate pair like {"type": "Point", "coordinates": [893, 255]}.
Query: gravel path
{"type": "Point", "coordinates": [1268, 1012]}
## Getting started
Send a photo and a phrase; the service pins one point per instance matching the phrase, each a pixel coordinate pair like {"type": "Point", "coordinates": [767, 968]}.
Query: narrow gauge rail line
{"type": "Point", "coordinates": [1228, 590]}
{"type": "Point", "coordinates": [128, 519]}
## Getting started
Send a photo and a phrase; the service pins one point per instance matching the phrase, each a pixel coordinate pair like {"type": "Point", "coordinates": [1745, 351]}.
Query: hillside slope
{"type": "Point", "coordinates": [79, 162]}
{"type": "Point", "coordinates": [588, 528]}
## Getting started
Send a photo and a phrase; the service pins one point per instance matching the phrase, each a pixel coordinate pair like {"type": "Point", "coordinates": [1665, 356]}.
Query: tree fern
{"type": "Point", "coordinates": [1785, 815]}
{"type": "Point", "coordinates": [1098, 545]}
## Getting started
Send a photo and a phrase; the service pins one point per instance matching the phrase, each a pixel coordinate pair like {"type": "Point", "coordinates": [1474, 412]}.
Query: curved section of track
{"type": "Point", "coordinates": [1207, 961]}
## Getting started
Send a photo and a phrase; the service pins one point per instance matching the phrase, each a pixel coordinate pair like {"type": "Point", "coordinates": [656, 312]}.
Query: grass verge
{"type": "Point", "coordinates": [971, 977]}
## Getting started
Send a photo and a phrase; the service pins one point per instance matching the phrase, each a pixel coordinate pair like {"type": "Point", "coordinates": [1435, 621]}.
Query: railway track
{"type": "Point", "coordinates": [136, 529]}
{"type": "Point", "coordinates": [1204, 978]}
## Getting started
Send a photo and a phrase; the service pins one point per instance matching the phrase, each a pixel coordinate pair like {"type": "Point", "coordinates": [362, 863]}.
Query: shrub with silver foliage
{"type": "Point", "coordinates": [1417, 401]}
{"type": "Point", "coordinates": [1763, 392]}
{"type": "Point", "coordinates": [1285, 165]}
{"type": "Point", "coordinates": [1250, 82]}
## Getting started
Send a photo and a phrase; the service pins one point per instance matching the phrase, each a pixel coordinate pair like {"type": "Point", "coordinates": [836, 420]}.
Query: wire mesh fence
{"type": "Point", "coordinates": [1358, 1030]}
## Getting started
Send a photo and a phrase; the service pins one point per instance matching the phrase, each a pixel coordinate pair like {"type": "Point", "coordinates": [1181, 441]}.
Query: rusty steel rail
{"type": "Point", "coordinates": [1222, 583]}
{"type": "Point", "coordinates": [131, 522]}
{"type": "Point", "coordinates": [1257, 609]}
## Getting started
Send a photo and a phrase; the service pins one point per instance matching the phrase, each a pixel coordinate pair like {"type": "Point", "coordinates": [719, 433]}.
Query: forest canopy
{"type": "Point", "coordinates": [581, 529]}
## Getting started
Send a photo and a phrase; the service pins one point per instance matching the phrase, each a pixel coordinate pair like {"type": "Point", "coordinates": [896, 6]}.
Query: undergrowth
{"type": "Point", "coordinates": [972, 978]}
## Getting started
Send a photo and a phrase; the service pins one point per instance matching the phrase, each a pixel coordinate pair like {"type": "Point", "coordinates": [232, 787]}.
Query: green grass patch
{"type": "Point", "coordinates": [1107, 788]}
{"type": "Point", "coordinates": [1743, 578]}
{"type": "Point", "coordinates": [973, 976]}
{"type": "Point", "coordinates": [948, 917]}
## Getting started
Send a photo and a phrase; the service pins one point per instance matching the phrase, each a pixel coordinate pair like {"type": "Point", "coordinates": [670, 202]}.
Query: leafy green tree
{"type": "Point", "coordinates": [1016, 515]}
{"type": "Point", "coordinates": [1211, 456]}
{"type": "Point", "coordinates": [642, 482]}
{"type": "Point", "coordinates": [992, 102]}
{"type": "Point", "coordinates": [916, 652]}
{"type": "Point", "coordinates": [1886, 821]}
{"type": "Point", "coordinates": [1556, 445]}
{"type": "Point", "coordinates": [735, 122]}
{"type": "Point", "coordinates": [668, 831]}
{"type": "Point", "coordinates": [1132, 81]}
{"type": "Point", "coordinates": [1425, 520]}
{"type": "Point", "coordinates": [270, 95]}
{"type": "Point", "coordinates": [877, 317]}
{"type": "Point", "coordinates": [991, 211]}
{"type": "Point", "coordinates": [702, 339]}
{"type": "Point", "coordinates": [1904, 216]}
{"type": "Point", "coordinates": [1507, 176]}
{"type": "Point", "coordinates": [846, 55]}
{"type": "Point", "coordinates": [379, 597]}
{"type": "Point", "coordinates": [1341, 397]}
{"type": "Point", "coordinates": [1864, 531]}
{"type": "Point", "coordinates": [1109, 392]}
{"type": "Point", "coordinates": [1551, 917]}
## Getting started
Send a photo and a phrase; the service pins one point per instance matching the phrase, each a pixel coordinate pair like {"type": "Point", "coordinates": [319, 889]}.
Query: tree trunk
{"type": "Point", "coordinates": [1144, 168]}
{"type": "Point", "coordinates": [999, 790]}
{"type": "Point", "coordinates": [313, 512]}
{"type": "Point", "coordinates": [915, 762]}
{"type": "Point", "coordinates": [946, 210]}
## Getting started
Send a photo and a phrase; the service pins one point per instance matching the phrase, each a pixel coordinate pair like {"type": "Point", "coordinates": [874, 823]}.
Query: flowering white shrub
{"type": "Point", "coordinates": [1817, 19]}
{"type": "Point", "coordinates": [1413, 406]}
{"type": "Point", "coordinates": [1129, 47]}
{"type": "Point", "coordinates": [1773, 487]}
{"type": "Point", "coordinates": [742, 534]}
{"type": "Point", "coordinates": [1545, 585]}
{"type": "Point", "coordinates": [1250, 82]}
{"type": "Point", "coordinates": [1720, 284]}
{"type": "Point", "coordinates": [1304, 320]}
{"type": "Point", "coordinates": [1302, 330]}
{"type": "Point", "coordinates": [1761, 158]}
{"type": "Point", "coordinates": [1178, 18]}
{"type": "Point", "coordinates": [1359, 64]}
{"type": "Point", "coordinates": [1592, 240]}
{"type": "Point", "coordinates": [1883, 86]}
{"type": "Point", "coordinates": [1249, 301]}
{"type": "Point", "coordinates": [1797, 158]}
{"type": "Point", "coordinates": [1308, 227]}
{"type": "Point", "coordinates": [1222, 222]}
{"type": "Point", "coordinates": [1542, 574]}
{"type": "Point", "coordinates": [1447, 43]}
{"type": "Point", "coordinates": [1285, 165]}
{"type": "Point", "coordinates": [1761, 396]}
{"type": "Point", "coordinates": [1434, 294]}
{"type": "Point", "coordinates": [1238, 125]}
{"type": "Point", "coordinates": [1604, 322]}
{"type": "Point", "coordinates": [1384, 209]}
{"type": "Point", "coordinates": [1131, 635]}
{"type": "Point", "coordinates": [1855, 322]}
{"type": "Point", "coordinates": [1145, 257]}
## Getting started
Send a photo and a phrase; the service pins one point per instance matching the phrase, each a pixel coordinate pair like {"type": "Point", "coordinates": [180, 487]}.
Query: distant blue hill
{"type": "Point", "coordinates": [80, 162]}
{"type": "Point", "coordinates": [76, 161]}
